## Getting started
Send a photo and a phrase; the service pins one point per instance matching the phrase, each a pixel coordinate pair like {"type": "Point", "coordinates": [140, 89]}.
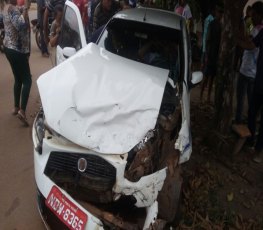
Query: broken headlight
{"type": "Point", "coordinates": [40, 130]}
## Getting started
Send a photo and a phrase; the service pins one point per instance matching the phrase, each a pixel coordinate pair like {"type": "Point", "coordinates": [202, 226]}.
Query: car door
{"type": "Point", "coordinates": [72, 37]}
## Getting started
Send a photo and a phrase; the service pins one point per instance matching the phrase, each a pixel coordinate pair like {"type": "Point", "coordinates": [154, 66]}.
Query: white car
{"type": "Point", "coordinates": [115, 124]}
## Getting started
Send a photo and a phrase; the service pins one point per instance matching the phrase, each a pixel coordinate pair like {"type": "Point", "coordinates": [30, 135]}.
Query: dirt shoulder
{"type": "Point", "coordinates": [221, 191]}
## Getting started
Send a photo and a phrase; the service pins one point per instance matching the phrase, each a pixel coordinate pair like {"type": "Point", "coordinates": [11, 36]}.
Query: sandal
{"type": "Point", "coordinates": [15, 111]}
{"type": "Point", "coordinates": [45, 55]}
{"type": "Point", "coordinates": [22, 118]}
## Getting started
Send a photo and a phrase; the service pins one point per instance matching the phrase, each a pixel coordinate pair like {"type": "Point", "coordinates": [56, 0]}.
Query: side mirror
{"type": "Point", "coordinates": [197, 77]}
{"type": "Point", "coordinates": [68, 51]}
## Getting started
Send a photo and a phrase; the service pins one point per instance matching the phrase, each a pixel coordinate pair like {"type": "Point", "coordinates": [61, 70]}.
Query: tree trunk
{"type": "Point", "coordinates": [224, 85]}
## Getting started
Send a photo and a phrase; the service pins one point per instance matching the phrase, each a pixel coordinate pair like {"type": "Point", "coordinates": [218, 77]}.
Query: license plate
{"type": "Point", "coordinates": [65, 210]}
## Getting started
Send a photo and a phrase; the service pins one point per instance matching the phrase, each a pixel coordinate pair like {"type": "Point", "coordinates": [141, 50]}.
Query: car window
{"type": "Point", "coordinates": [150, 44]}
{"type": "Point", "coordinates": [70, 35]}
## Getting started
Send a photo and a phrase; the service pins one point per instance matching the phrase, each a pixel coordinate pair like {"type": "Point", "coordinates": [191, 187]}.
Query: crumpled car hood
{"type": "Point", "coordinates": [102, 101]}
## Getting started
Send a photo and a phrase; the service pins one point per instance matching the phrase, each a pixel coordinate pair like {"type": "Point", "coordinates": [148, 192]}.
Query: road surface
{"type": "Point", "coordinates": [18, 208]}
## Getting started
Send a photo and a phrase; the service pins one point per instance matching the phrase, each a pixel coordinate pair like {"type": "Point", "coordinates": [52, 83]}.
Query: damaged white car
{"type": "Point", "coordinates": [115, 124]}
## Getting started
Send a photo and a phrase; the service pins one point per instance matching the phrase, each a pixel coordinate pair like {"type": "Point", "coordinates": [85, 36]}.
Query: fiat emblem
{"type": "Point", "coordinates": [82, 164]}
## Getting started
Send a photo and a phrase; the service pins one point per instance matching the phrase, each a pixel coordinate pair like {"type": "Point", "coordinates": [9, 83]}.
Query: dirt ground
{"type": "Point", "coordinates": [18, 206]}
{"type": "Point", "coordinates": [221, 190]}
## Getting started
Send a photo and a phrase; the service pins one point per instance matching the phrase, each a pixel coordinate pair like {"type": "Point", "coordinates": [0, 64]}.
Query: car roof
{"type": "Point", "coordinates": [151, 16]}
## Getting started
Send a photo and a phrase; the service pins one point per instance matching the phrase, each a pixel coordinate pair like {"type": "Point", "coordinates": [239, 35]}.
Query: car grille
{"type": "Point", "coordinates": [94, 184]}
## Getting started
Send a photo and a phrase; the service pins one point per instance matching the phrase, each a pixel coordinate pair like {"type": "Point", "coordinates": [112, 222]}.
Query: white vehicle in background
{"type": "Point", "coordinates": [115, 124]}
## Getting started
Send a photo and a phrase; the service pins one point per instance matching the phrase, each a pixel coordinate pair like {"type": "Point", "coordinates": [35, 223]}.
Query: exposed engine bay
{"type": "Point", "coordinates": [123, 200]}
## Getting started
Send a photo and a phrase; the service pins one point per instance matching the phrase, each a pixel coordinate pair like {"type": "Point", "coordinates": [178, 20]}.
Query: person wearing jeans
{"type": "Point", "coordinates": [21, 70]}
{"type": "Point", "coordinates": [40, 19]}
{"type": "Point", "coordinates": [247, 74]}
{"type": "Point", "coordinates": [256, 104]}
{"type": "Point", "coordinates": [17, 50]}
{"type": "Point", "coordinates": [245, 87]}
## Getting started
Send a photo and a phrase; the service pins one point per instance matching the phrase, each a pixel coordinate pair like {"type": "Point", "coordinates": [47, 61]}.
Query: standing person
{"type": "Point", "coordinates": [207, 22]}
{"type": "Point", "coordinates": [48, 11]}
{"type": "Point", "coordinates": [92, 4]}
{"type": "Point", "coordinates": [41, 6]}
{"type": "Point", "coordinates": [212, 48]}
{"type": "Point", "coordinates": [183, 9]}
{"type": "Point", "coordinates": [83, 9]}
{"type": "Point", "coordinates": [17, 51]}
{"type": "Point", "coordinates": [56, 26]}
{"type": "Point", "coordinates": [257, 98]}
{"type": "Point", "coordinates": [246, 27]}
{"type": "Point", "coordinates": [256, 104]}
{"type": "Point", "coordinates": [103, 12]}
{"type": "Point", "coordinates": [247, 74]}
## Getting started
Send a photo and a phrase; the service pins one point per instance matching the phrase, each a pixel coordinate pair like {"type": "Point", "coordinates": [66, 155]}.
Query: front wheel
{"type": "Point", "coordinates": [38, 38]}
{"type": "Point", "coordinates": [169, 197]}
{"type": "Point", "coordinates": [2, 35]}
{"type": "Point", "coordinates": [1, 47]}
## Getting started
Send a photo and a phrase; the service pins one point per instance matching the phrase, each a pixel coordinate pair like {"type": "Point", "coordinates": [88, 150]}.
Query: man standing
{"type": "Point", "coordinates": [83, 9]}
{"type": "Point", "coordinates": [207, 22]}
{"type": "Point", "coordinates": [212, 48]}
{"type": "Point", "coordinates": [256, 104]}
{"type": "Point", "coordinates": [245, 82]}
{"type": "Point", "coordinates": [103, 12]}
{"type": "Point", "coordinates": [41, 6]}
{"type": "Point", "coordinates": [50, 9]}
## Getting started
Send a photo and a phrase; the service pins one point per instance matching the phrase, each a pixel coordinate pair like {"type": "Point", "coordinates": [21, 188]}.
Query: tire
{"type": "Point", "coordinates": [1, 47]}
{"type": "Point", "coordinates": [38, 38]}
{"type": "Point", "coordinates": [169, 198]}
{"type": "Point", "coordinates": [2, 35]}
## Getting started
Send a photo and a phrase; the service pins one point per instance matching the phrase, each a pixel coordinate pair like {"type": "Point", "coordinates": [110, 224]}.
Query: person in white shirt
{"type": "Point", "coordinates": [247, 74]}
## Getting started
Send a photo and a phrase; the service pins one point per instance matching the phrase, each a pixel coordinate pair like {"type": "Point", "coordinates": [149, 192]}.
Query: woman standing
{"type": "Point", "coordinates": [17, 51]}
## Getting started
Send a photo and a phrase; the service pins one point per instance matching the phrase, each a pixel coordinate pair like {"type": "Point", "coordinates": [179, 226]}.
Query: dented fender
{"type": "Point", "coordinates": [145, 190]}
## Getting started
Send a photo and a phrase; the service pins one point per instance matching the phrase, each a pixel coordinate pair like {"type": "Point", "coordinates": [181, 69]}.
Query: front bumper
{"type": "Point", "coordinates": [145, 191]}
{"type": "Point", "coordinates": [44, 186]}
{"type": "Point", "coordinates": [48, 217]}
